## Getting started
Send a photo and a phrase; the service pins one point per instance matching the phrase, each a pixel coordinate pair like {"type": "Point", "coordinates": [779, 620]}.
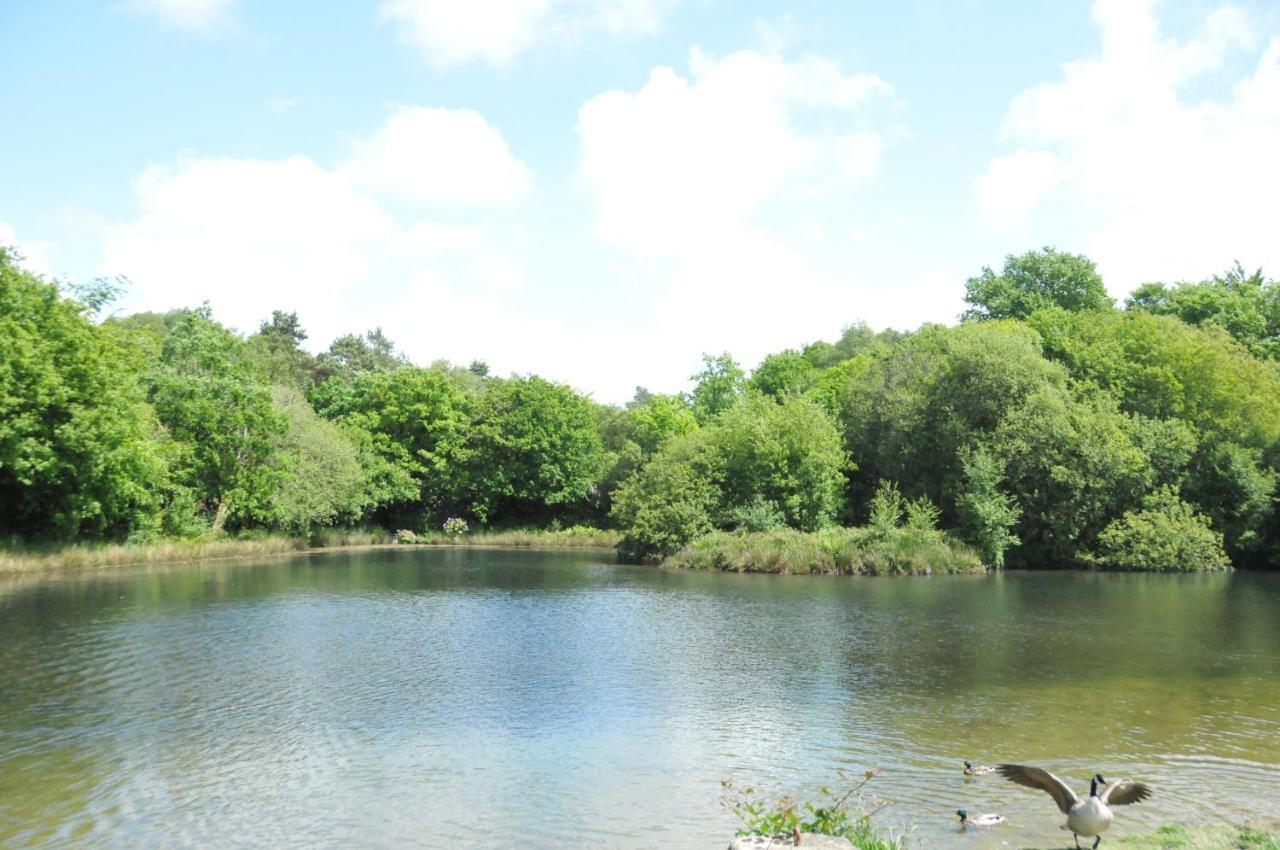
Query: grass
{"type": "Point", "coordinates": [835, 551]}
{"type": "Point", "coordinates": [1175, 837]}
{"type": "Point", "coordinates": [574, 537]}
{"type": "Point", "coordinates": [89, 556]}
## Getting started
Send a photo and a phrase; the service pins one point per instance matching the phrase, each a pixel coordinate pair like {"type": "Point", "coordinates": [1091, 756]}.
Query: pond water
{"type": "Point", "coordinates": [408, 698]}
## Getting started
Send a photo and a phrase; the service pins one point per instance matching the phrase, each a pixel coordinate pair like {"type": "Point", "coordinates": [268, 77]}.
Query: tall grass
{"type": "Point", "coordinates": [833, 551]}
{"type": "Point", "coordinates": [574, 537]}
{"type": "Point", "coordinates": [27, 558]}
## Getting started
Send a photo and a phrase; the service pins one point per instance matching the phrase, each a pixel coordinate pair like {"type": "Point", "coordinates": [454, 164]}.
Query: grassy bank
{"type": "Point", "coordinates": [1175, 837]}
{"type": "Point", "coordinates": [574, 537]}
{"type": "Point", "coordinates": [33, 558]}
{"type": "Point", "coordinates": [835, 551]}
{"type": "Point", "coordinates": [90, 556]}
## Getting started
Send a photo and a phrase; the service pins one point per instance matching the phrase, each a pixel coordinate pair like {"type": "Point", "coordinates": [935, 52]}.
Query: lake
{"type": "Point", "coordinates": [403, 698]}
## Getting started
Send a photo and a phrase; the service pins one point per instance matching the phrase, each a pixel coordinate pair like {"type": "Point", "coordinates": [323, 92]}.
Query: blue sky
{"type": "Point", "coordinates": [600, 191]}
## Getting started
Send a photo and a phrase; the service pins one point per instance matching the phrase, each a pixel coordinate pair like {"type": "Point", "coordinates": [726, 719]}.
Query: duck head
{"type": "Point", "coordinates": [962, 814]}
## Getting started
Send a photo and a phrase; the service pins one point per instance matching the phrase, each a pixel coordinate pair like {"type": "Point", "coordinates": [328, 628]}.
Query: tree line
{"type": "Point", "coordinates": [1049, 427]}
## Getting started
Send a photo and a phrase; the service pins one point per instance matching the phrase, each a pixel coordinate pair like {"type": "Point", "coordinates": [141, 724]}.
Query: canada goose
{"type": "Point", "coordinates": [971, 769]}
{"type": "Point", "coordinates": [967, 820]}
{"type": "Point", "coordinates": [1089, 817]}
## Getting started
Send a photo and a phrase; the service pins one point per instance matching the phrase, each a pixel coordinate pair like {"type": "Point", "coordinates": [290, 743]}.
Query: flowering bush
{"type": "Point", "coordinates": [454, 526]}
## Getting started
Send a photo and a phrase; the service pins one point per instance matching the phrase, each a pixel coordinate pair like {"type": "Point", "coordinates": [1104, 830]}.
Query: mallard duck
{"type": "Point", "coordinates": [1089, 817]}
{"type": "Point", "coordinates": [967, 820]}
{"type": "Point", "coordinates": [971, 769]}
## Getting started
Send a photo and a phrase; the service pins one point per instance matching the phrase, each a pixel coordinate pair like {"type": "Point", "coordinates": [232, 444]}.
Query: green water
{"type": "Point", "coordinates": [465, 698]}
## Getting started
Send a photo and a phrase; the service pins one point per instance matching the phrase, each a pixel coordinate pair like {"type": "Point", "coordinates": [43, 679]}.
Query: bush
{"type": "Point", "coordinates": [846, 551]}
{"type": "Point", "coordinates": [760, 515]}
{"type": "Point", "coordinates": [1166, 534]}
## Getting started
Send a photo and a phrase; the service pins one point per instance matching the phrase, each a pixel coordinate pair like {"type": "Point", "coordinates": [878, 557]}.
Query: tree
{"type": "Point", "coordinates": [349, 355]}
{"type": "Point", "coordinates": [323, 481]}
{"type": "Point", "coordinates": [987, 514]}
{"type": "Point", "coordinates": [277, 351]}
{"type": "Point", "coordinates": [789, 454]}
{"type": "Point", "coordinates": [1165, 534]}
{"type": "Point", "coordinates": [758, 454]}
{"type": "Point", "coordinates": [416, 422]}
{"type": "Point", "coordinates": [218, 410]}
{"type": "Point", "coordinates": [532, 451]}
{"type": "Point", "coordinates": [786, 373]}
{"type": "Point", "coordinates": [717, 387]}
{"type": "Point", "coordinates": [1073, 467]}
{"type": "Point", "coordinates": [669, 502]}
{"type": "Point", "coordinates": [1035, 280]}
{"type": "Point", "coordinates": [80, 454]}
{"type": "Point", "coordinates": [1247, 306]}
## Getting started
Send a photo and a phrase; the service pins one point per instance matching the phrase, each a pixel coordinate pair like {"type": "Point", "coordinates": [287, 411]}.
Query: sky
{"type": "Point", "coordinates": [599, 192]}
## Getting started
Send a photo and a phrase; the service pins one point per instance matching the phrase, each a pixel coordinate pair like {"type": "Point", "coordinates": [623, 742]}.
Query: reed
{"type": "Point", "coordinates": [833, 551]}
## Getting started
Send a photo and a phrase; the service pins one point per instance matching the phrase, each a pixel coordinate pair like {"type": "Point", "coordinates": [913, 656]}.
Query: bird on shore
{"type": "Point", "coordinates": [1089, 817]}
{"type": "Point", "coordinates": [967, 820]}
{"type": "Point", "coordinates": [971, 769]}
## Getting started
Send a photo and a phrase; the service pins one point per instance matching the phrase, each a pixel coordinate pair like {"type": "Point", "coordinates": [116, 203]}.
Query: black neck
{"type": "Point", "coordinates": [1093, 787]}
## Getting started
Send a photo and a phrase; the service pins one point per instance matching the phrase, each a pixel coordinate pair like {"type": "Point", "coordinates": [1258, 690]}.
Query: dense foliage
{"type": "Point", "coordinates": [1048, 428]}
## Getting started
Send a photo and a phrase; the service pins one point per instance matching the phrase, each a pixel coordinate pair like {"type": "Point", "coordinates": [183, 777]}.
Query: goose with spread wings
{"type": "Point", "coordinates": [1089, 817]}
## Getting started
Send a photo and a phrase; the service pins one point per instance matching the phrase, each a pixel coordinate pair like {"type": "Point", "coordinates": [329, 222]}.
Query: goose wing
{"type": "Point", "coordinates": [1124, 792]}
{"type": "Point", "coordinates": [1036, 777]}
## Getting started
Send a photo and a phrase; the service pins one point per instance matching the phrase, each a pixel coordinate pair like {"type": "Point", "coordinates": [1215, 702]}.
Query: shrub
{"type": "Point", "coordinates": [760, 515]}
{"type": "Point", "coordinates": [454, 526]}
{"type": "Point", "coordinates": [1166, 534]}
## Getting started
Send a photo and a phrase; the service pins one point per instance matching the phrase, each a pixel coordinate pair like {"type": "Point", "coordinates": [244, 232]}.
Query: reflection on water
{"type": "Point", "coordinates": [442, 698]}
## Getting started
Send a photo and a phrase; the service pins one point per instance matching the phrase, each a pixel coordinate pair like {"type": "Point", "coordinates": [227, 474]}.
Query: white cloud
{"type": "Point", "coordinates": [685, 160]}
{"type": "Point", "coordinates": [438, 156]}
{"type": "Point", "coordinates": [451, 33]}
{"type": "Point", "coordinates": [1176, 186]}
{"type": "Point", "coordinates": [188, 14]}
{"type": "Point", "coordinates": [33, 253]}
{"type": "Point", "coordinates": [714, 177]}
{"type": "Point", "coordinates": [251, 235]}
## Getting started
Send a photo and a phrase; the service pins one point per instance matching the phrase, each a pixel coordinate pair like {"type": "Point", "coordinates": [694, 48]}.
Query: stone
{"type": "Point", "coordinates": [808, 841]}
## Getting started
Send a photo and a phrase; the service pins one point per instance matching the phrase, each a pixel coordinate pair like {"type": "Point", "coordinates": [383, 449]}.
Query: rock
{"type": "Point", "coordinates": [808, 841]}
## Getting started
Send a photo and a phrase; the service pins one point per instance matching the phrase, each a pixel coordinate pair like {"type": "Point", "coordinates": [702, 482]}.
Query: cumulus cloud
{"type": "Point", "coordinates": [438, 156]}
{"type": "Point", "coordinates": [1176, 184]}
{"type": "Point", "coordinates": [708, 175]}
{"type": "Point", "coordinates": [249, 235]}
{"type": "Point", "coordinates": [451, 33]}
{"type": "Point", "coordinates": [687, 159]}
{"type": "Point", "coordinates": [188, 14]}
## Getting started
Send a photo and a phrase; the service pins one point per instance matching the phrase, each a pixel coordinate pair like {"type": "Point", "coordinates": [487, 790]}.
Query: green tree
{"type": "Point", "coordinates": [987, 514]}
{"type": "Point", "coordinates": [323, 482]}
{"type": "Point", "coordinates": [80, 454]}
{"type": "Point", "coordinates": [350, 355]}
{"type": "Point", "coordinates": [670, 501]}
{"type": "Point", "coordinates": [532, 451]}
{"type": "Point", "coordinates": [717, 387]}
{"type": "Point", "coordinates": [218, 410]}
{"type": "Point", "coordinates": [1165, 534]}
{"type": "Point", "coordinates": [277, 351]}
{"type": "Point", "coordinates": [788, 453]}
{"type": "Point", "coordinates": [757, 454]}
{"type": "Point", "coordinates": [1073, 467]}
{"type": "Point", "coordinates": [783, 374]}
{"type": "Point", "coordinates": [1247, 306]}
{"type": "Point", "coordinates": [416, 422]}
{"type": "Point", "coordinates": [1035, 280]}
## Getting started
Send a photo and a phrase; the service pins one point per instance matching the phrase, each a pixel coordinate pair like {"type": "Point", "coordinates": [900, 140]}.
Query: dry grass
{"type": "Point", "coordinates": [92, 556]}
{"type": "Point", "coordinates": [574, 537]}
